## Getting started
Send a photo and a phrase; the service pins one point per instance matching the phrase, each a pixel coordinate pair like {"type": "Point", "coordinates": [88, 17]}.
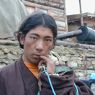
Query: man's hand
{"type": "Point", "coordinates": [49, 63]}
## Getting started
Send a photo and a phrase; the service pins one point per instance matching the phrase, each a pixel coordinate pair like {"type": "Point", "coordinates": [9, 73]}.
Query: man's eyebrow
{"type": "Point", "coordinates": [39, 36]}
{"type": "Point", "coordinates": [49, 37]}
{"type": "Point", "coordinates": [34, 34]}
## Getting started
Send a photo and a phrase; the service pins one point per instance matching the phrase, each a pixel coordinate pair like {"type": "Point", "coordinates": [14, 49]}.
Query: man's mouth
{"type": "Point", "coordinates": [37, 56]}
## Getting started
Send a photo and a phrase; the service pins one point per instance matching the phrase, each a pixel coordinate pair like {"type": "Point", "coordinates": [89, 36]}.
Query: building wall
{"type": "Point", "coordinates": [55, 8]}
{"type": "Point", "coordinates": [76, 24]}
{"type": "Point", "coordinates": [90, 23]}
{"type": "Point", "coordinates": [73, 27]}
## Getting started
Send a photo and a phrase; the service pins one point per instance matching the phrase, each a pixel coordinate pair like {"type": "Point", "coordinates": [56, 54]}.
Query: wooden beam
{"type": "Point", "coordinates": [8, 42]}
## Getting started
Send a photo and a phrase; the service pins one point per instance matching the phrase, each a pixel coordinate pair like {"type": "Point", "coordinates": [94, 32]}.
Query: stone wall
{"type": "Point", "coordinates": [9, 52]}
{"type": "Point", "coordinates": [82, 60]}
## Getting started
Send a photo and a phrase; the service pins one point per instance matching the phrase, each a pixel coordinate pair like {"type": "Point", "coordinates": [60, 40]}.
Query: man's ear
{"type": "Point", "coordinates": [22, 39]}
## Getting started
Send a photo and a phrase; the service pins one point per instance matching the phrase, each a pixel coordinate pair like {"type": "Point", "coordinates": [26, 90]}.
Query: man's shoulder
{"type": "Point", "coordinates": [8, 69]}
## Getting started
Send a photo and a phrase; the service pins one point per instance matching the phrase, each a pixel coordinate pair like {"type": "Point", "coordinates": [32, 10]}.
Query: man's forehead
{"type": "Point", "coordinates": [41, 31]}
{"type": "Point", "coordinates": [38, 35]}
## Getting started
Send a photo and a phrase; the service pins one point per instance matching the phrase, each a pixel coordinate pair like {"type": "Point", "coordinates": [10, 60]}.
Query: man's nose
{"type": "Point", "coordinates": [40, 45]}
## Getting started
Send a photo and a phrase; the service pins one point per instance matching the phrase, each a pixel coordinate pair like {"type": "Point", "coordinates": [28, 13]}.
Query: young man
{"type": "Point", "coordinates": [37, 36]}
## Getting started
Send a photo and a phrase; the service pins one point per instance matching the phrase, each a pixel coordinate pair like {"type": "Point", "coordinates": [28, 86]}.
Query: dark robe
{"type": "Point", "coordinates": [16, 79]}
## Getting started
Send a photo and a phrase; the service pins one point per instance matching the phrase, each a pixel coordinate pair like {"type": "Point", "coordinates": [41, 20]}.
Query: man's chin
{"type": "Point", "coordinates": [35, 61]}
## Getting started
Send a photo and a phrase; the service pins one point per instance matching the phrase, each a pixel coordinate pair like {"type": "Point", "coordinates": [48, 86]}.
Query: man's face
{"type": "Point", "coordinates": [37, 42]}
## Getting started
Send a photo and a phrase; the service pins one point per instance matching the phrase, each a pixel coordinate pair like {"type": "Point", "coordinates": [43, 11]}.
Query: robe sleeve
{"type": "Point", "coordinates": [63, 84]}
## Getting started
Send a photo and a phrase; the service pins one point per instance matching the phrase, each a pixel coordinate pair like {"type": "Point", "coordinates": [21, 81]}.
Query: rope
{"type": "Point", "coordinates": [50, 82]}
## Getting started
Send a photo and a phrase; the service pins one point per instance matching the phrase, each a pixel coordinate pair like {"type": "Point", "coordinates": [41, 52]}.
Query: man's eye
{"type": "Point", "coordinates": [48, 40]}
{"type": "Point", "coordinates": [33, 38]}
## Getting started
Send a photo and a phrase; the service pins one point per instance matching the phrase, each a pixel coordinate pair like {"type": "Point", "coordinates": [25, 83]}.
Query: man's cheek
{"type": "Point", "coordinates": [47, 52]}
